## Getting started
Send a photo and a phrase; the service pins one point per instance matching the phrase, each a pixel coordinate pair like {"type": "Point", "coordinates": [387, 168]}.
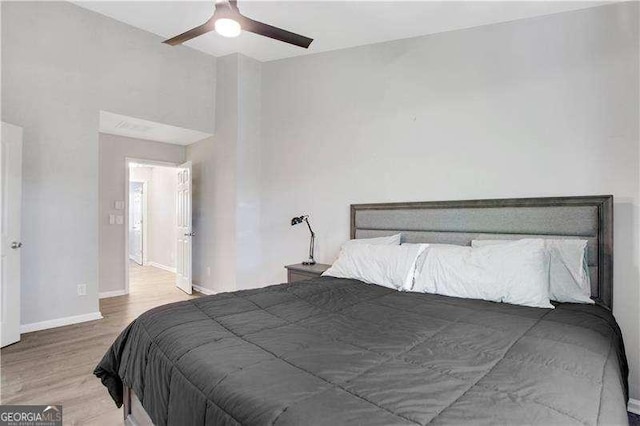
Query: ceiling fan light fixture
{"type": "Point", "coordinates": [229, 22]}
{"type": "Point", "coordinates": [227, 27]}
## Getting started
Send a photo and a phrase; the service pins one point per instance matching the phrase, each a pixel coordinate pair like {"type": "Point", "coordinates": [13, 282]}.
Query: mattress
{"type": "Point", "coordinates": [334, 351]}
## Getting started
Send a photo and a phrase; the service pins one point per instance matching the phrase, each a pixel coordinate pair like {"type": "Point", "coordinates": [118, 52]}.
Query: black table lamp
{"type": "Point", "coordinates": [298, 220]}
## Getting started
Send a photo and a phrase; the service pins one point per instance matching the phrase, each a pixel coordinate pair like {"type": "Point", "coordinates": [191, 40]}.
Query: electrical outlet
{"type": "Point", "coordinates": [82, 289]}
{"type": "Point", "coordinates": [208, 271]}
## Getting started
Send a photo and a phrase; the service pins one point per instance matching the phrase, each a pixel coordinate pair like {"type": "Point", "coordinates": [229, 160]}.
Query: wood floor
{"type": "Point", "coordinates": [55, 366]}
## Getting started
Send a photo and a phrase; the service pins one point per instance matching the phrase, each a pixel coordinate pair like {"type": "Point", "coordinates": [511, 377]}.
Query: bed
{"type": "Point", "coordinates": [336, 351]}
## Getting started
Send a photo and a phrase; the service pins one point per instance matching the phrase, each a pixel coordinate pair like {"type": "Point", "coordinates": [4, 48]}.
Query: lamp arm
{"type": "Point", "coordinates": [312, 242]}
{"type": "Point", "coordinates": [313, 234]}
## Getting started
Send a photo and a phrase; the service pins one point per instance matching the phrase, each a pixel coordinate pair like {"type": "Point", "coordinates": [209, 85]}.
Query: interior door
{"type": "Point", "coordinates": [11, 201]}
{"type": "Point", "coordinates": [185, 232]}
{"type": "Point", "coordinates": [136, 236]}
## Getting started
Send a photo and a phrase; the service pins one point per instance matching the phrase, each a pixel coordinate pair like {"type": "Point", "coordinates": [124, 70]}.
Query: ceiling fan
{"type": "Point", "coordinates": [229, 22]}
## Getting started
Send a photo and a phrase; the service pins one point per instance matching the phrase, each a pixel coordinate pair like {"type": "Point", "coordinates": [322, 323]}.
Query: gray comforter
{"type": "Point", "coordinates": [333, 351]}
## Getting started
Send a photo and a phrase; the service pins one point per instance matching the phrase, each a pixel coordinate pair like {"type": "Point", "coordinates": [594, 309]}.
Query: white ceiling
{"type": "Point", "coordinates": [333, 24]}
{"type": "Point", "coordinates": [122, 125]}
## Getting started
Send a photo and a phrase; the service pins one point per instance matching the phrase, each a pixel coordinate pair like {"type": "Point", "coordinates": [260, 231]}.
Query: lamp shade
{"type": "Point", "coordinates": [297, 220]}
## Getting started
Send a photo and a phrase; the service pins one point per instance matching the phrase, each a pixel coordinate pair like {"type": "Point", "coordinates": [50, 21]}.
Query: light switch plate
{"type": "Point", "coordinates": [119, 205]}
{"type": "Point", "coordinates": [112, 219]}
{"type": "Point", "coordinates": [119, 219]}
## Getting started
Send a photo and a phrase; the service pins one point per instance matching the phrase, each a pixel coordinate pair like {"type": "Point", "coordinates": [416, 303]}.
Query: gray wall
{"type": "Point", "coordinates": [61, 65]}
{"type": "Point", "coordinates": [226, 186]}
{"type": "Point", "coordinates": [214, 188]}
{"type": "Point", "coordinates": [249, 162]}
{"type": "Point", "coordinates": [538, 107]}
{"type": "Point", "coordinates": [113, 150]}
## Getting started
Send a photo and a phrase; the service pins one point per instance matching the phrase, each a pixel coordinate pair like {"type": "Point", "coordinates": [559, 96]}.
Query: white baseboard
{"type": "Point", "coordinates": [634, 406]}
{"type": "Point", "coordinates": [203, 290]}
{"type": "Point", "coordinates": [114, 293]}
{"type": "Point", "coordinates": [59, 322]}
{"type": "Point", "coordinates": [159, 266]}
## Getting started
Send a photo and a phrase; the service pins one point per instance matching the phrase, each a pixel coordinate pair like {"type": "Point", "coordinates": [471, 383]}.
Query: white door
{"type": "Point", "coordinates": [11, 201]}
{"type": "Point", "coordinates": [136, 190]}
{"type": "Point", "coordinates": [185, 231]}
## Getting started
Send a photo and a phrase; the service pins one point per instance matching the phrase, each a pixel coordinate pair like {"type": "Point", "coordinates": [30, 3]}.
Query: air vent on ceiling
{"type": "Point", "coordinates": [134, 127]}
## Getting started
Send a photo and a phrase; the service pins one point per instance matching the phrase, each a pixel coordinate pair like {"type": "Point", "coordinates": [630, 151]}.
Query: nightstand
{"type": "Point", "coordinates": [300, 272]}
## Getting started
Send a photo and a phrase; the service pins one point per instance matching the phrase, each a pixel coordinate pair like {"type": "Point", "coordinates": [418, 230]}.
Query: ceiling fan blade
{"type": "Point", "coordinates": [192, 33]}
{"type": "Point", "coordinates": [276, 33]}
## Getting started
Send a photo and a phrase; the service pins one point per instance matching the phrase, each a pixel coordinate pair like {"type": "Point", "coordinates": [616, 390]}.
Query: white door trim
{"type": "Point", "coordinates": [127, 162]}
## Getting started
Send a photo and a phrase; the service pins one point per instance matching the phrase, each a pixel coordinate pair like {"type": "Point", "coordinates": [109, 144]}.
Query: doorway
{"type": "Point", "coordinates": [158, 213]}
{"type": "Point", "coordinates": [124, 140]}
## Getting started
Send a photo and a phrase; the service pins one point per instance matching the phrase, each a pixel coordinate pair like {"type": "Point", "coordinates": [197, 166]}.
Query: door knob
{"type": "Point", "coordinates": [16, 245]}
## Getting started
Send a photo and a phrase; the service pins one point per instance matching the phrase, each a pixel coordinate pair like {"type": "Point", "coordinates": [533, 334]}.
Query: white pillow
{"type": "Point", "coordinates": [516, 273]}
{"type": "Point", "coordinates": [421, 256]}
{"type": "Point", "coordinates": [392, 240]}
{"type": "Point", "coordinates": [385, 265]}
{"type": "Point", "coordinates": [568, 271]}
